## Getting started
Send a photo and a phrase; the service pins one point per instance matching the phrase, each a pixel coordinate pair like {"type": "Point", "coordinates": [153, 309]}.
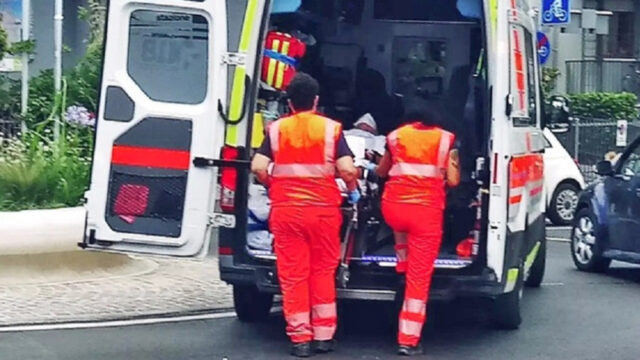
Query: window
{"type": "Point", "coordinates": [523, 81]}
{"type": "Point", "coordinates": [631, 165]}
{"type": "Point", "coordinates": [419, 66]}
{"type": "Point", "coordinates": [168, 55]}
{"type": "Point", "coordinates": [620, 42]}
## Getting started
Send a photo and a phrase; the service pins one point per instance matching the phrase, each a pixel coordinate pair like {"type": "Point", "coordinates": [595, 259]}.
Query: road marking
{"type": "Point", "coordinates": [122, 323]}
{"type": "Point", "coordinates": [556, 239]}
{"type": "Point", "coordinates": [116, 323]}
{"type": "Point", "coordinates": [553, 284]}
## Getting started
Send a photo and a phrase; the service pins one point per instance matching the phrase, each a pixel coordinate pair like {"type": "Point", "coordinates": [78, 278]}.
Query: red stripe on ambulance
{"type": "Point", "coordinates": [150, 157]}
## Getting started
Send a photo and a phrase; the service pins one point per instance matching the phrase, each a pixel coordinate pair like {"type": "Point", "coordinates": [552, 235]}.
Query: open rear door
{"type": "Point", "coordinates": [159, 130]}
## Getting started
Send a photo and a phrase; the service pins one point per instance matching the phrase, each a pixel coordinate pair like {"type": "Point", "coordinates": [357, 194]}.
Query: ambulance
{"type": "Point", "coordinates": [188, 87]}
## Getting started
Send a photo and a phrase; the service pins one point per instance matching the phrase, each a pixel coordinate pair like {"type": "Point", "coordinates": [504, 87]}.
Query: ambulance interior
{"type": "Point", "coordinates": [369, 56]}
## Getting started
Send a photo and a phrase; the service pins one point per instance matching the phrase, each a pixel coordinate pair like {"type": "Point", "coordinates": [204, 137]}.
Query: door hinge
{"type": "Point", "coordinates": [222, 220]}
{"type": "Point", "coordinates": [234, 59]}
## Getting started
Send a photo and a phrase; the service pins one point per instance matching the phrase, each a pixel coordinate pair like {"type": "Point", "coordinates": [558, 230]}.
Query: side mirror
{"type": "Point", "coordinates": [556, 113]}
{"type": "Point", "coordinates": [604, 168]}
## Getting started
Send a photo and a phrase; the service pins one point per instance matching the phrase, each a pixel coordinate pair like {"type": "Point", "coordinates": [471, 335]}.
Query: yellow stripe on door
{"type": "Point", "coordinates": [237, 90]}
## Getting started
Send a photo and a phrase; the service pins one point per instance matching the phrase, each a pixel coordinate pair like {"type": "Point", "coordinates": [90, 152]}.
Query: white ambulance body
{"type": "Point", "coordinates": [177, 119]}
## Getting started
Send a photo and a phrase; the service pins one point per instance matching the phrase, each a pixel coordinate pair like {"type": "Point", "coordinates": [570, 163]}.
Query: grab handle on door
{"type": "Point", "coordinates": [245, 102]}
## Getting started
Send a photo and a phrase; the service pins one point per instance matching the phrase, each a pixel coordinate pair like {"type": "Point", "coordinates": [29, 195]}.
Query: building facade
{"type": "Point", "coordinates": [599, 50]}
{"type": "Point", "coordinates": [75, 31]}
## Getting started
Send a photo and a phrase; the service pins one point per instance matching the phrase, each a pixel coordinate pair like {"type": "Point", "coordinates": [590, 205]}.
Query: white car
{"type": "Point", "coordinates": [563, 181]}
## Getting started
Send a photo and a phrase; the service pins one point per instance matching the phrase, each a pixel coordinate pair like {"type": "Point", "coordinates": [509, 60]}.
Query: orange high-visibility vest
{"type": "Point", "coordinates": [419, 161]}
{"type": "Point", "coordinates": [304, 161]}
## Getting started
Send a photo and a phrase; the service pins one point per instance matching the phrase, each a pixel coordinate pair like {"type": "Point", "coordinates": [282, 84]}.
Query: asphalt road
{"type": "Point", "coordinates": [573, 316]}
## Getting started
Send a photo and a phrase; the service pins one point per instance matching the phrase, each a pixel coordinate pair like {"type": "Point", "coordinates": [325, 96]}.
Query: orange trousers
{"type": "Point", "coordinates": [418, 234]}
{"type": "Point", "coordinates": [307, 246]}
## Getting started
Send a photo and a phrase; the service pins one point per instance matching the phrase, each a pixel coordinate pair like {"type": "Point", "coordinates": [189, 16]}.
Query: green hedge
{"type": "Point", "coordinates": [603, 105]}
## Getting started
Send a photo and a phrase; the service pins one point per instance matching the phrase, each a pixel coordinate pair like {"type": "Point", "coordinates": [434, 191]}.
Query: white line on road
{"type": "Point", "coordinates": [116, 323]}
{"type": "Point", "coordinates": [122, 323]}
{"type": "Point", "coordinates": [556, 239]}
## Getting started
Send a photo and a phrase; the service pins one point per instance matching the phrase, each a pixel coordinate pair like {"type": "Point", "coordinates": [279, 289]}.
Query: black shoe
{"type": "Point", "coordinates": [301, 350]}
{"type": "Point", "coordinates": [405, 350]}
{"type": "Point", "coordinates": [323, 347]}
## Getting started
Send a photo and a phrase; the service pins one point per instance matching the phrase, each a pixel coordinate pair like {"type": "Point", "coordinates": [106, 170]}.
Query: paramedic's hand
{"type": "Point", "coordinates": [354, 196]}
{"type": "Point", "coordinates": [369, 165]}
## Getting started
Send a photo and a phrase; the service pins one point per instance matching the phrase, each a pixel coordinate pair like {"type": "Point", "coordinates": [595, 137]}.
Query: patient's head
{"type": "Point", "coordinates": [367, 123]}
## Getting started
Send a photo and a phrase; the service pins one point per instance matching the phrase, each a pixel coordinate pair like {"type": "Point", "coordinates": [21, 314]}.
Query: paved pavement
{"type": "Point", "coordinates": [573, 316]}
{"type": "Point", "coordinates": [143, 286]}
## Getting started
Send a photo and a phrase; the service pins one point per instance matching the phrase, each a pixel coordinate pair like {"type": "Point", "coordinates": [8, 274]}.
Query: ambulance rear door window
{"type": "Point", "coordinates": [168, 55]}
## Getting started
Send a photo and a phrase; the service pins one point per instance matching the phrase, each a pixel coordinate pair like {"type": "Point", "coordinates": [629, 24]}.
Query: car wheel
{"type": "Point", "coordinates": [250, 304]}
{"type": "Point", "coordinates": [505, 312]}
{"type": "Point", "coordinates": [585, 248]}
{"type": "Point", "coordinates": [563, 204]}
{"type": "Point", "coordinates": [536, 272]}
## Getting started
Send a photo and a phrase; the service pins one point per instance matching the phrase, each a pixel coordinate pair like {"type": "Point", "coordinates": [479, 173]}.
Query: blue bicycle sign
{"type": "Point", "coordinates": [556, 11]}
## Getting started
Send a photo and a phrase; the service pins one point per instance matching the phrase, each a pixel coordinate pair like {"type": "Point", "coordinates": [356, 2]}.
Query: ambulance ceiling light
{"type": "Point", "coordinates": [285, 6]}
{"type": "Point", "coordinates": [470, 8]}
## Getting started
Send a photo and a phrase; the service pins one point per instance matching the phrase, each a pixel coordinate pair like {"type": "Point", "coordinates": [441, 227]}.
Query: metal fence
{"type": "Point", "coordinates": [9, 128]}
{"type": "Point", "coordinates": [585, 76]}
{"type": "Point", "coordinates": [589, 140]}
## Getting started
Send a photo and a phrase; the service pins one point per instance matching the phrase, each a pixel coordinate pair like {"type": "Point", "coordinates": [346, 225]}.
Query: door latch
{"type": "Point", "coordinates": [234, 59]}
{"type": "Point", "coordinates": [222, 220]}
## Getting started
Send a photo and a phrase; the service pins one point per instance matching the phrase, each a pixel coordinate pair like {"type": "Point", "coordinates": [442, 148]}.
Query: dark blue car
{"type": "Point", "coordinates": [607, 222]}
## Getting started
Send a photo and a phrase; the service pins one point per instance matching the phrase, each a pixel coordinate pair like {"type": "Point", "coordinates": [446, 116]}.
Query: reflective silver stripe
{"type": "Point", "coordinates": [411, 328]}
{"type": "Point", "coordinates": [324, 311]}
{"type": "Point", "coordinates": [445, 145]}
{"type": "Point", "coordinates": [323, 333]}
{"type": "Point", "coordinates": [422, 170]}
{"type": "Point", "coordinates": [274, 136]}
{"type": "Point", "coordinates": [303, 170]}
{"type": "Point", "coordinates": [415, 306]}
{"type": "Point", "coordinates": [329, 141]}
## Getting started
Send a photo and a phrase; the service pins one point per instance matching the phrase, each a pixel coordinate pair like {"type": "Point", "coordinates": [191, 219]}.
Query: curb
{"type": "Point", "coordinates": [109, 319]}
{"type": "Point", "coordinates": [41, 231]}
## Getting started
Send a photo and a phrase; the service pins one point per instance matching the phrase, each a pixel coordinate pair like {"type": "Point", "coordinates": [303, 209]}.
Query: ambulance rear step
{"type": "Point", "coordinates": [382, 261]}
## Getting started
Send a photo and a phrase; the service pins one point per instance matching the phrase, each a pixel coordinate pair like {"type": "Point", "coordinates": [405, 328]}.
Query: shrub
{"type": "Point", "coordinates": [4, 42]}
{"type": "Point", "coordinates": [602, 105]}
{"type": "Point", "coordinates": [9, 97]}
{"type": "Point", "coordinates": [36, 172]}
{"type": "Point", "coordinates": [549, 79]}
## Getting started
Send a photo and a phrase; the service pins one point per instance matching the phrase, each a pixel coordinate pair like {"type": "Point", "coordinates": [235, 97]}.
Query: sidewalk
{"type": "Point", "coordinates": [128, 287]}
{"type": "Point", "coordinates": [45, 278]}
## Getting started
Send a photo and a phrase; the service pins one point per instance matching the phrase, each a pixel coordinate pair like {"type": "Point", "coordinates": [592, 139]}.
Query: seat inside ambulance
{"type": "Point", "coordinates": [368, 56]}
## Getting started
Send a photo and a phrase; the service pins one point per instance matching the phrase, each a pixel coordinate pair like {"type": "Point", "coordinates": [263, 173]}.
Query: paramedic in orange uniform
{"type": "Point", "coordinates": [307, 151]}
{"type": "Point", "coordinates": [420, 161]}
